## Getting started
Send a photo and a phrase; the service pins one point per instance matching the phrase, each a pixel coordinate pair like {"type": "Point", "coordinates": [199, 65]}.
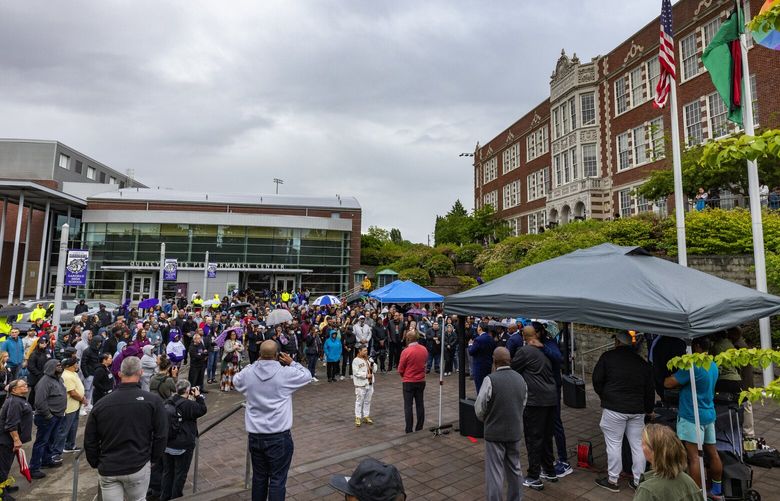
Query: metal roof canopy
{"type": "Point", "coordinates": [37, 195]}
{"type": "Point", "coordinates": [200, 268]}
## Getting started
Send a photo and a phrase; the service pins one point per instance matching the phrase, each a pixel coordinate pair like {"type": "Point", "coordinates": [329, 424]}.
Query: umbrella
{"type": "Point", "coordinates": [326, 300]}
{"type": "Point", "coordinates": [12, 311]}
{"type": "Point", "coordinates": [766, 35]}
{"type": "Point", "coordinates": [415, 311]}
{"type": "Point", "coordinates": [220, 340]}
{"type": "Point", "coordinates": [148, 303]}
{"type": "Point", "coordinates": [211, 302]}
{"type": "Point", "coordinates": [278, 316]}
{"type": "Point", "coordinates": [241, 305]}
{"type": "Point", "coordinates": [24, 468]}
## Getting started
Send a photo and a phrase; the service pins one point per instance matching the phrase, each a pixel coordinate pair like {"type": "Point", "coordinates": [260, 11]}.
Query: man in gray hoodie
{"type": "Point", "coordinates": [268, 385]}
{"type": "Point", "coordinates": [50, 402]}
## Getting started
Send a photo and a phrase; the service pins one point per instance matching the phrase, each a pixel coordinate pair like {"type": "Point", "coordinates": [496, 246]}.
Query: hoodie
{"type": "Point", "coordinates": [149, 365]}
{"type": "Point", "coordinates": [91, 357]}
{"type": "Point", "coordinates": [50, 395]}
{"type": "Point", "coordinates": [268, 387]}
{"type": "Point", "coordinates": [176, 350]}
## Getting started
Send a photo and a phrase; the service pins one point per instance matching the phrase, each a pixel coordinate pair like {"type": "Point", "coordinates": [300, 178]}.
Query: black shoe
{"type": "Point", "coordinates": [550, 477]}
{"type": "Point", "coordinates": [633, 484]}
{"type": "Point", "coordinates": [11, 488]}
{"type": "Point", "coordinates": [606, 484]}
{"type": "Point", "coordinates": [7, 497]}
{"type": "Point", "coordinates": [204, 391]}
{"type": "Point", "coordinates": [52, 465]}
{"type": "Point", "coordinates": [37, 474]}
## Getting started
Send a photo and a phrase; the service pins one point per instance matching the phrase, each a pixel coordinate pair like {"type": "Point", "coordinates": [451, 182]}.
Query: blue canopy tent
{"type": "Point", "coordinates": [405, 292]}
{"type": "Point", "coordinates": [383, 290]}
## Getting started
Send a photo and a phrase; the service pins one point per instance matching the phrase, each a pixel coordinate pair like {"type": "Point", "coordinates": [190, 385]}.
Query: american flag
{"type": "Point", "coordinates": [665, 57]}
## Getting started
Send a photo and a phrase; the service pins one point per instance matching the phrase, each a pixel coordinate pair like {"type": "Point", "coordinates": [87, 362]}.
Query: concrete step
{"type": "Point", "coordinates": [223, 492]}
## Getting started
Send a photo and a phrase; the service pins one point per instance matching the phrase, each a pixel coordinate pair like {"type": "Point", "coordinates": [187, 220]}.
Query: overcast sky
{"type": "Point", "coordinates": [368, 98]}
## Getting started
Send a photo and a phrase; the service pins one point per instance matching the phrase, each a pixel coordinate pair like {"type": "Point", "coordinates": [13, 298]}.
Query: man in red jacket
{"type": "Point", "coordinates": [411, 367]}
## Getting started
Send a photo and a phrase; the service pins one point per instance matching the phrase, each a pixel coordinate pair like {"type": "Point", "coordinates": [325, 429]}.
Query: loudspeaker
{"type": "Point", "coordinates": [470, 426]}
{"type": "Point", "coordinates": [573, 391]}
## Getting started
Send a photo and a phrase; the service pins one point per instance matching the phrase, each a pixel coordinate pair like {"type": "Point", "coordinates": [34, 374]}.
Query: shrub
{"type": "Point", "coordinates": [467, 282]}
{"type": "Point", "coordinates": [467, 253]}
{"type": "Point", "coordinates": [416, 275]}
{"type": "Point", "coordinates": [439, 265]}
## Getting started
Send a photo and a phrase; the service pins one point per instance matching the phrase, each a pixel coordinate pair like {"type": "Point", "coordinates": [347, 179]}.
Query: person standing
{"type": "Point", "coordinates": [411, 368]}
{"type": "Point", "coordinates": [14, 346]}
{"type": "Point", "coordinates": [190, 405]}
{"type": "Point", "coordinates": [268, 385]}
{"type": "Point", "coordinates": [539, 412]}
{"type": "Point", "coordinates": [332, 348]}
{"type": "Point", "coordinates": [395, 330]}
{"type": "Point", "coordinates": [199, 356]}
{"type": "Point", "coordinates": [624, 382]}
{"type": "Point", "coordinates": [481, 351]}
{"type": "Point", "coordinates": [36, 363]}
{"type": "Point", "coordinates": [379, 338]}
{"type": "Point", "coordinates": [16, 420]}
{"type": "Point", "coordinates": [348, 342]}
{"type": "Point", "coordinates": [66, 434]}
{"type": "Point", "coordinates": [500, 405]}
{"type": "Point", "coordinates": [50, 404]}
{"type": "Point", "coordinates": [362, 333]}
{"type": "Point", "coordinates": [363, 370]}
{"type": "Point", "coordinates": [103, 380]}
{"type": "Point", "coordinates": [122, 454]}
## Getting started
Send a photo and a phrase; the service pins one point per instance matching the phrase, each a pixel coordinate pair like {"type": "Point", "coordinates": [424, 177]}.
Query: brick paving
{"type": "Point", "coordinates": [433, 467]}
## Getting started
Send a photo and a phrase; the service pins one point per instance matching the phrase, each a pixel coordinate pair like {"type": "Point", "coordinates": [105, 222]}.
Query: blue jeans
{"type": "Point", "coordinates": [271, 457]}
{"type": "Point", "coordinates": [312, 361]}
{"type": "Point", "coordinates": [433, 361]}
{"type": "Point", "coordinates": [66, 433]}
{"type": "Point", "coordinates": [43, 448]}
{"type": "Point", "coordinates": [211, 367]}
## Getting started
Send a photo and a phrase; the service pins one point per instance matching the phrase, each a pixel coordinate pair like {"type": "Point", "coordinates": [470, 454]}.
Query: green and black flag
{"type": "Point", "coordinates": [723, 59]}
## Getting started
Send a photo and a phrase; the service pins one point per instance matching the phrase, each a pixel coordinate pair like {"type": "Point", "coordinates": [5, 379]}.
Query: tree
{"type": "Point", "coordinates": [395, 236]}
{"type": "Point", "coordinates": [453, 228]}
{"type": "Point", "coordinates": [486, 227]}
{"type": "Point", "coordinates": [380, 234]}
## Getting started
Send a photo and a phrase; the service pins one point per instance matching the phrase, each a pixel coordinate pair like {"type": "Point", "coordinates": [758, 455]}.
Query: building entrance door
{"type": "Point", "coordinates": [141, 287]}
{"type": "Point", "coordinates": [285, 284]}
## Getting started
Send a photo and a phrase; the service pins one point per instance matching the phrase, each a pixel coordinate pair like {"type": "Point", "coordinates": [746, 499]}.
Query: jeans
{"type": "Point", "coordinates": [346, 361]}
{"type": "Point", "coordinates": [43, 447]}
{"type": "Point", "coordinates": [434, 359]}
{"type": "Point", "coordinates": [559, 433]}
{"type": "Point", "coordinates": [271, 457]}
{"type": "Point", "coordinates": [131, 487]}
{"type": "Point", "coordinates": [211, 369]}
{"type": "Point", "coordinates": [195, 376]}
{"type": "Point", "coordinates": [394, 354]}
{"type": "Point", "coordinates": [414, 392]}
{"type": "Point", "coordinates": [175, 470]}
{"type": "Point", "coordinates": [615, 425]}
{"type": "Point", "coordinates": [538, 423]}
{"type": "Point", "coordinates": [88, 388]}
{"type": "Point", "coordinates": [312, 363]}
{"type": "Point", "coordinates": [502, 461]}
{"type": "Point", "coordinates": [66, 433]}
{"type": "Point", "coordinates": [333, 370]}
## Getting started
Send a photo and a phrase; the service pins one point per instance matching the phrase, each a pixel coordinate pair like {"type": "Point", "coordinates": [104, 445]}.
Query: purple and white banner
{"type": "Point", "coordinates": [211, 270]}
{"type": "Point", "coordinates": [76, 267]}
{"type": "Point", "coordinates": [169, 270]}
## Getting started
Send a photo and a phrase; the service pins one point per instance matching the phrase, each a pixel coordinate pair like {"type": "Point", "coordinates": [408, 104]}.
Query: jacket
{"type": "Point", "coordinates": [103, 383]}
{"type": "Point", "coordinates": [536, 369]}
{"type": "Point", "coordinates": [50, 395]}
{"type": "Point", "coordinates": [199, 355]}
{"type": "Point", "coordinates": [163, 385]}
{"type": "Point", "coordinates": [190, 411]}
{"type": "Point", "coordinates": [624, 381]}
{"type": "Point", "coordinates": [332, 350]}
{"type": "Point", "coordinates": [15, 349]}
{"type": "Point", "coordinates": [268, 387]}
{"type": "Point", "coordinates": [360, 371]}
{"type": "Point", "coordinates": [35, 365]}
{"type": "Point", "coordinates": [91, 357]}
{"type": "Point", "coordinates": [16, 415]}
{"type": "Point", "coordinates": [123, 450]}
{"type": "Point", "coordinates": [176, 351]}
{"type": "Point", "coordinates": [411, 366]}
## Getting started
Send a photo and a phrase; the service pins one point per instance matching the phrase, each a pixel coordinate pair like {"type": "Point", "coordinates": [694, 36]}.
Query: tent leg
{"type": "Point", "coordinates": [699, 438]}
{"type": "Point", "coordinates": [461, 357]}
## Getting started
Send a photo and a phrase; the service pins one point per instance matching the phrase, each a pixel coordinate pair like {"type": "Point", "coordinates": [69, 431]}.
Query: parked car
{"type": "Point", "coordinates": [66, 313]}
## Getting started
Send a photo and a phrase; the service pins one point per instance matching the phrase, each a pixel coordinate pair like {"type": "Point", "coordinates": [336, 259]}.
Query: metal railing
{"type": "Point", "coordinates": [76, 460]}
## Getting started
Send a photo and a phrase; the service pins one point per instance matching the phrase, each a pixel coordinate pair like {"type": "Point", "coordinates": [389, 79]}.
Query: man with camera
{"type": "Point", "coordinates": [183, 409]}
{"type": "Point", "coordinates": [268, 385]}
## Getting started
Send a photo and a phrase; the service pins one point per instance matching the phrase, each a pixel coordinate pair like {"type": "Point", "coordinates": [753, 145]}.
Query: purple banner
{"type": "Point", "coordinates": [169, 270]}
{"type": "Point", "coordinates": [76, 267]}
{"type": "Point", "coordinates": [211, 270]}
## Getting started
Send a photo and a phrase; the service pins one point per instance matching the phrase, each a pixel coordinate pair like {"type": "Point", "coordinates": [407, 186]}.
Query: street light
{"type": "Point", "coordinates": [278, 182]}
{"type": "Point", "coordinates": [466, 155]}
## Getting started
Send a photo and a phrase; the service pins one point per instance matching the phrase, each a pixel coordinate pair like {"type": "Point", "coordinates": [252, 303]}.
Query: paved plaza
{"type": "Point", "coordinates": [327, 442]}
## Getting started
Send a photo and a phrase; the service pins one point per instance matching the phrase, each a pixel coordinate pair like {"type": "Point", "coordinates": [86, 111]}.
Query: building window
{"type": "Point", "coordinates": [710, 29]}
{"type": "Point", "coordinates": [90, 172]}
{"type": "Point", "coordinates": [624, 161]}
{"type": "Point", "coordinates": [621, 95]}
{"type": "Point", "coordinates": [536, 184]}
{"type": "Point", "coordinates": [102, 176]}
{"type": "Point", "coordinates": [642, 205]}
{"type": "Point", "coordinates": [79, 167]}
{"type": "Point", "coordinates": [558, 171]}
{"type": "Point", "coordinates": [656, 133]}
{"type": "Point", "coordinates": [514, 226]}
{"type": "Point", "coordinates": [491, 199]}
{"type": "Point", "coordinates": [573, 112]}
{"type": "Point", "coordinates": [588, 108]}
{"type": "Point", "coordinates": [573, 164]}
{"type": "Point", "coordinates": [589, 160]}
{"type": "Point", "coordinates": [640, 145]}
{"type": "Point", "coordinates": [625, 203]}
{"type": "Point", "coordinates": [692, 115]}
{"type": "Point", "coordinates": [536, 222]}
{"type": "Point", "coordinates": [490, 170]}
{"type": "Point", "coordinates": [112, 180]}
{"type": "Point", "coordinates": [718, 115]}
{"type": "Point", "coordinates": [653, 74]}
{"type": "Point", "coordinates": [511, 194]}
{"type": "Point", "coordinates": [537, 143]}
{"type": "Point", "coordinates": [637, 87]}
{"type": "Point", "coordinates": [511, 158]}
{"type": "Point", "coordinates": [754, 94]}
{"type": "Point", "coordinates": [64, 161]}
{"type": "Point", "coordinates": [556, 123]}
{"type": "Point", "coordinates": [690, 61]}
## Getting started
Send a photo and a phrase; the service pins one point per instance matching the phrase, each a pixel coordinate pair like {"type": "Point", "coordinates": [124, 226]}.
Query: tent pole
{"type": "Point", "coordinates": [461, 357]}
{"type": "Point", "coordinates": [572, 354]}
{"type": "Point", "coordinates": [441, 368]}
{"type": "Point", "coordinates": [699, 438]}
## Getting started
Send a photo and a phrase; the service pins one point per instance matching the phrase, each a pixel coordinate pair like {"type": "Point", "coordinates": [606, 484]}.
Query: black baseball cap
{"type": "Point", "coordinates": [372, 480]}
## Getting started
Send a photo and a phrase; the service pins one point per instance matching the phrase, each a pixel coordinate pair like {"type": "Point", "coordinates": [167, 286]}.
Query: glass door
{"type": "Point", "coordinates": [285, 284]}
{"type": "Point", "coordinates": [140, 287]}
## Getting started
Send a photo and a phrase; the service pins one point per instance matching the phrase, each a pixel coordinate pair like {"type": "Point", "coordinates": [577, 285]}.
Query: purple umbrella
{"type": "Point", "coordinates": [149, 303]}
{"type": "Point", "coordinates": [220, 340]}
{"type": "Point", "coordinates": [416, 311]}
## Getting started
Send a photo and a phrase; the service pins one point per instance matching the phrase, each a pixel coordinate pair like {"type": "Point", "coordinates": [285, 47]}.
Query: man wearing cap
{"type": "Point", "coordinates": [66, 434]}
{"type": "Point", "coordinates": [624, 382]}
{"type": "Point", "coordinates": [371, 480]}
{"type": "Point", "coordinates": [500, 405]}
{"type": "Point", "coordinates": [362, 333]}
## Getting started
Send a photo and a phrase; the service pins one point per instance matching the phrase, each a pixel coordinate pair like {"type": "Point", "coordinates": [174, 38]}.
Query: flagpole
{"type": "Point", "coordinates": [679, 201]}
{"type": "Point", "coordinates": [754, 195]}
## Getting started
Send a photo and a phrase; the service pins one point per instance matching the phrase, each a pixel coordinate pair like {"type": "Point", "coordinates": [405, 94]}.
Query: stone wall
{"type": "Point", "coordinates": [738, 269]}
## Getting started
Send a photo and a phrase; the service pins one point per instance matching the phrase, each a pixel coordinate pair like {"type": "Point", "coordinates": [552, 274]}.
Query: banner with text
{"type": "Point", "coordinates": [211, 270]}
{"type": "Point", "coordinates": [170, 269]}
{"type": "Point", "coordinates": [76, 267]}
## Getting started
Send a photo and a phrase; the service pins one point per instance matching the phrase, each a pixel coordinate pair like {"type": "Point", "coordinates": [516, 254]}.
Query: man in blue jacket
{"type": "Point", "coordinates": [481, 351]}
{"type": "Point", "coordinates": [14, 346]}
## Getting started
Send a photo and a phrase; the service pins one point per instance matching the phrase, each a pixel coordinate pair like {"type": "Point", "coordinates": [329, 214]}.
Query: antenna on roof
{"type": "Point", "coordinates": [207, 196]}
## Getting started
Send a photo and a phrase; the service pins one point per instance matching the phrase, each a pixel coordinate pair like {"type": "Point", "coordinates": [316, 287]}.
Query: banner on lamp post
{"type": "Point", "coordinates": [76, 267]}
{"type": "Point", "coordinates": [170, 269]}
{"type": "Point", "coordinates": [211, 270]}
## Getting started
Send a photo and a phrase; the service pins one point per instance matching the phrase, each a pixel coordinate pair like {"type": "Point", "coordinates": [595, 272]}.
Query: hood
{"type": "Point", "coordinates": [130, 350]}
{"type": "Point", "coordinates": [148, 350]}
{"type": "Point", "coordinates": [50, 367]}
{"type": "Point", "coordinates": [96, 343]}
{"type": "Point", "coordinates": [266, 369]}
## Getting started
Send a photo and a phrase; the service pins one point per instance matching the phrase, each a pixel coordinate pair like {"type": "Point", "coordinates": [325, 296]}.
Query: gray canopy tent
{"type": "Point", "coordinates": [618, 287]}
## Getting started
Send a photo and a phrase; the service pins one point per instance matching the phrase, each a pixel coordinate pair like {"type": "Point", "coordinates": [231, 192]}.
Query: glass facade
{"type": "Point", "coordinates": [325, 252]}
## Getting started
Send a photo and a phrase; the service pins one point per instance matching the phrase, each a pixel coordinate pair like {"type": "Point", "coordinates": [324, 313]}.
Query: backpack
{"type": "Point", "coordinates": [174, 418]}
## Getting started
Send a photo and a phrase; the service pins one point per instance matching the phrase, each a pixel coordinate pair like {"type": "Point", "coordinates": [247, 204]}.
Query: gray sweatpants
{"type": "Point", "coordinates": [502, 461]}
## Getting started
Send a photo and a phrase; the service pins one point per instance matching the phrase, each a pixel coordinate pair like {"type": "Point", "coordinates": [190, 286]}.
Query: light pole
{"type": "Point", "coordinates": [278, 182]}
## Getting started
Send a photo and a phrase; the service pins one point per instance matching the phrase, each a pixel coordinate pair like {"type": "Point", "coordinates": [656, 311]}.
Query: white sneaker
{"type": "Point", "coordinates": [83, 412]}
{"type": "Point", "coordinates": [315, 380]}
{"type": "Point", "coordinates": [341, 378]}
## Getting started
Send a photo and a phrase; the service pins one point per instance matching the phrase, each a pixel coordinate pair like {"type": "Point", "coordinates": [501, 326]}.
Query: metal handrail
{"type": "Point", "coordinates": [197, 443]}
{"type": "Point", "coordinates": [76, 460]}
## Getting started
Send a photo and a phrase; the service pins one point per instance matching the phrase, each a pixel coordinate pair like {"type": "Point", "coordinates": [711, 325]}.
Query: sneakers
{"type": "Point", "coordinates": [562, 469]}
{"type": "Point", "coordinates": [83, 412]}
{"type": "Point", "coordinates": [368, 420]}
{"type": "Point", "coordinates": [341, 378]}
{"type": "Point", "coordinates": [606, 484]}
{"type": "Point", "coordinates": [533, 483]}
{"type": "Point", "coordinates": [357, 422]}
{"type": "Point", "coordinates": [37, 474]}
{"type": "Point", "coordinates": [633, 484]}
{"type": "Point", "coordinates": [550, 477]}
{"type": "Point", "coordinates": [314, 380]}
{"type": "Point", "coordinates": [75, 449]}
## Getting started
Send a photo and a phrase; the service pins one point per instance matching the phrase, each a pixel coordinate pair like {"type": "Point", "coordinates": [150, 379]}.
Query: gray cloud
{"type": "Point", "coordinates": [371, 99]}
